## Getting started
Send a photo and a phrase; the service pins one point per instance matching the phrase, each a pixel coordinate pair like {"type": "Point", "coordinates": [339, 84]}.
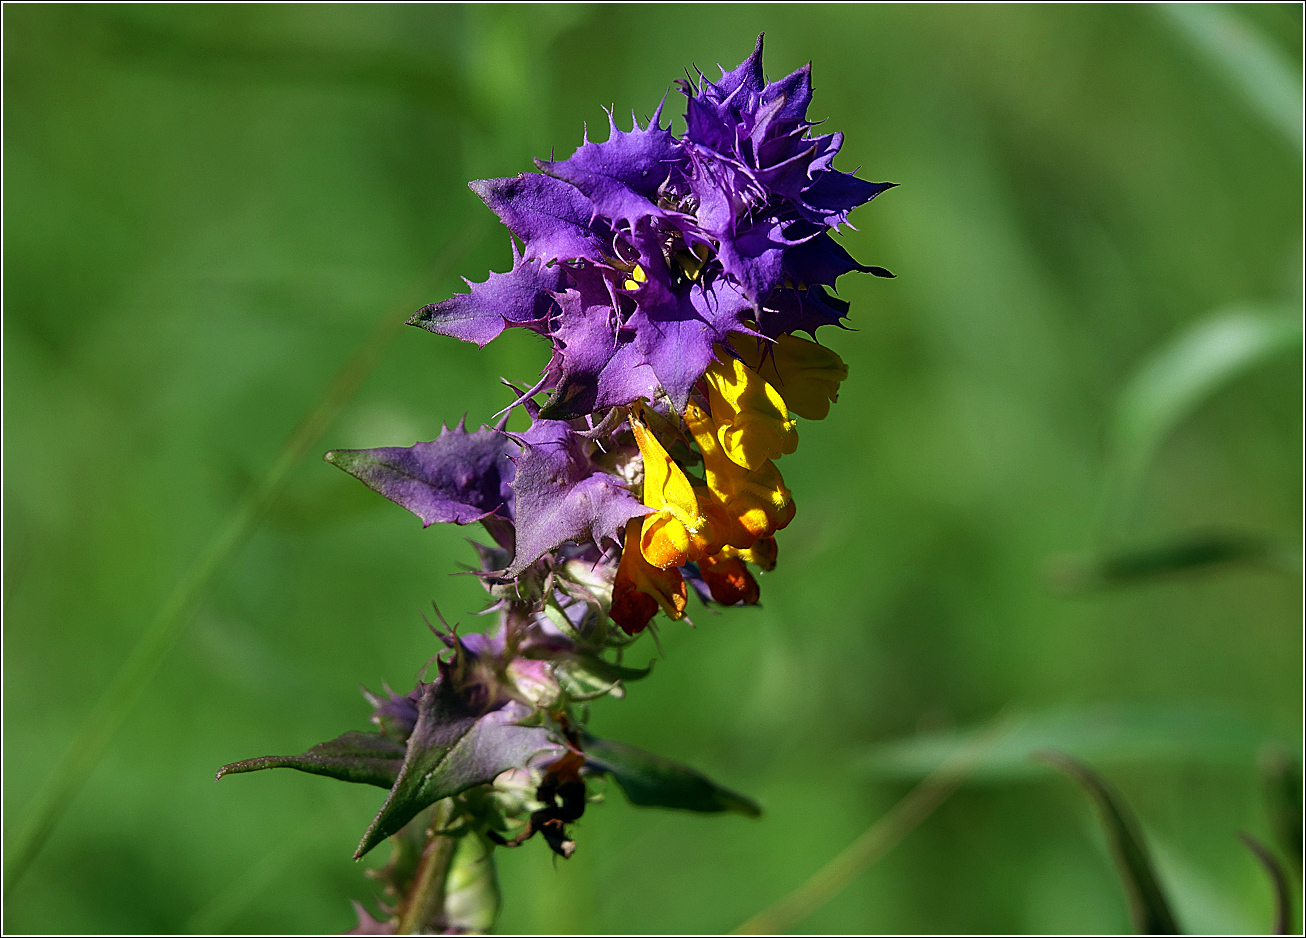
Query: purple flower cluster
{"type": "Point", "coordinates": [669, 275]}
{"type": "Point", "coordinates": [642, 254]}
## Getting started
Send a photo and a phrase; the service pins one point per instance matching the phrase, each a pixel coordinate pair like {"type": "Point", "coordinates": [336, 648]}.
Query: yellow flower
{"type": "Point", "coordinates": [809, 374]}
{"type": "Point", "coordinates": [752, 504]}
{"type": "Point", "coordinates": [752, 419]}
{"type": "Point", "coordinates": [641, 588]}
{"type": "Point", "coordinates": [678, 531]}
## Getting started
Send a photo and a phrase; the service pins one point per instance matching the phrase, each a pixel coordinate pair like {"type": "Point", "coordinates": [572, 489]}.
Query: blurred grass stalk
{"type": "Point", "coordinates": [1179, 377]}
{"type": "Point", "coordinates": [111, 710]}
{"type": "Point", "coordinates": [1267, 83]}
{"type": "Point", "coordinates": [884, 834]}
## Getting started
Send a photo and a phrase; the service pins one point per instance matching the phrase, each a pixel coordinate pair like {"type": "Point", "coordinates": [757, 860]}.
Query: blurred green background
{"type": "Point", "coordinates": [208, 210]}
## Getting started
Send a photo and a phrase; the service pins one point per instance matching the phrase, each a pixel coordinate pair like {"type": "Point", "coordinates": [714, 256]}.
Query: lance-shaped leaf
{"type": "Point", "coordinates": [652, 781]}
{"type": "Point", "coordinates": [1148, 907]}
{"type": "Point", "coordinates": [451, 749]}
{"type": "Point", "coordinates": [458, 477]}
{"type": "Point", "coordinates": [561, 496]}
{"type": "Point", "coordinates": [367, 758]}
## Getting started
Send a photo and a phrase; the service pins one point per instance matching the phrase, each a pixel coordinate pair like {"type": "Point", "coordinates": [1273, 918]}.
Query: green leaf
{"type": "Point", "coordinates": [1196, 552]}
{"type": "Point", "coordinates": [472, 899]}
{"type": "Point", "coordinates": [1181, 375]}
{"type": "Point", "coordinates": [1281, 771]}
{"type": "Point", "coordinates": [450, 750]}
{"type": "Point", "coordinates": [1278, 881]}
{"type": "Point", "coordinates": [585, 676]}
{"type": "Point", "coordinates": [652, 781]}
{"type": "Point", "coordinates": [1148, 907]}
{"type": "Point", "coordinates": [1117, 734]}
{"type": "Point", "coordinates": [367, 758]}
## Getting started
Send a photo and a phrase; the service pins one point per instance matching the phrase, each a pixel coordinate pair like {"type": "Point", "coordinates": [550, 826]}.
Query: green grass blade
{"type": "Point", "coordinates": [1148, 907]}
{"type": "Point", "coordinates": [1253, 67]}
{"type": "Point", "coordinates": [111, 710]}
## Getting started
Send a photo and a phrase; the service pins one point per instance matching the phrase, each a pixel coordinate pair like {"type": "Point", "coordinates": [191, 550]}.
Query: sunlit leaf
{"type": "Point", "coordinates": [652, 781]}
{"type": "Point", "coordinates": [1148, 907]}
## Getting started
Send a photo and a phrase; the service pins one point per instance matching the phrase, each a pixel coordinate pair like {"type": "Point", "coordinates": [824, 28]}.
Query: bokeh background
{"type": "Point", "coordinates": [209, 209]}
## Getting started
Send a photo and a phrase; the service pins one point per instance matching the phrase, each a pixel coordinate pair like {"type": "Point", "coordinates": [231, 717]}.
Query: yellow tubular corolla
{"type": "Point", "coordinates": [753, 422]}
{"type": "Point", "coordinates": [678, 531]}
{"type": "Point", "coordinates": [667, 587]}
{"type": "Point", "coordinates": [637, 276]}
{"type": "Point", "coordinates": [752, 503]}
{"type": "Point", "coordinates": [807, 373]}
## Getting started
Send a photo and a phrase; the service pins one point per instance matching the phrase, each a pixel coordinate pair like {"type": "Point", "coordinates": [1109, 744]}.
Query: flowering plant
{"type": "Point", "coordinates": [670, 276]}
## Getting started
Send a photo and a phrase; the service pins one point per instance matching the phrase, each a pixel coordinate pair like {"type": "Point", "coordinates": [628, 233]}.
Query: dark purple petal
{"type": "Point", "coordinates": [459, 477]}
{"type": "Point", "coordinates": [561, 496]}
{"type": "Point", "coordinates": [832, 195]}
{"type": "Point", "coordinates": [517, 298]}
{"type": "Point", "coordinates": [820, 259]}
{"type": "Point", "coordinates": [800, 311]}
{"type": "Point", "coordinates": [550, 216]}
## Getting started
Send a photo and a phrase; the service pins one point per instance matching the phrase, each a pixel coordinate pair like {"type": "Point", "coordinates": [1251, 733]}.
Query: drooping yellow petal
{"type": "Point", "coordinates": [640, 588]}
{"type": "Point", "coordinates": [753, 502]}
{"type": "Point", "coordinates": [678, 531]}
{"type": "Point", "coordinates": [752, 419]}
{"type": "Point", "coordinates": [806, 373]}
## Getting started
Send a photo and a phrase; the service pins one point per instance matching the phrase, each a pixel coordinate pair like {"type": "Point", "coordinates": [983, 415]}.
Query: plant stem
{"type": "Point", "coordinates": [424, 907]}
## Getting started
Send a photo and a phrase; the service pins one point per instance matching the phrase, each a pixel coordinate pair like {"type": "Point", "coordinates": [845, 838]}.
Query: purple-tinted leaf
{"type": "Point", "coordinates": [366, 758]}
{"type": "Point", "coordinates": [520, 297]}
{"type": "Point", "coordinates": [677, 337]}
{"type": "Point", "coordinates": [747, 75]}
{"type": "Point", "coordinates": [561, 496]}
{"type": "Point", "coordinates": [459, 477]}
{"type": "Point", "coordinates": [368, 925]}
{"type": "Point", "coordinates": [597, 364]}
{"type": "Point", "coordinates": [622, 175]}
{"type": "Point", "coordinates": [796, 90]}
{"type": "Point", "coordinates": [452, 748]}
{"type": "Point", "coordinates": [550, 216]}
{"type": "Point", "coordinates": [833, 195]}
